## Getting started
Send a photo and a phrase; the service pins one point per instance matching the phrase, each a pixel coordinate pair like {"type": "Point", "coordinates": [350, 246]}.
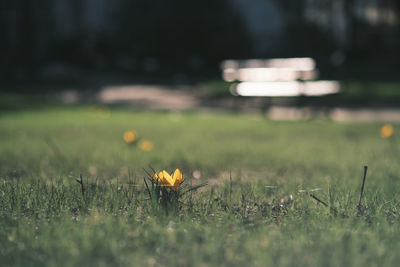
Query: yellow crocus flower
{"type": "Point", "coordinates": [165, 179]}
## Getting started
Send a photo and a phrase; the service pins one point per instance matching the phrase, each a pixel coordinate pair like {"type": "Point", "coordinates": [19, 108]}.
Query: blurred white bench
{"type": "Point", "coordinates": [278, 77]}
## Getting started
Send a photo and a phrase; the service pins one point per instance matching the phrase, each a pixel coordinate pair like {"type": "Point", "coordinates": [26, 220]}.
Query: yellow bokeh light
{"type": "Point", "coordinates": [130, 137]}
{"type": "Point", "coordinates": [387, 131]}
{"type": "Point", "coordinates": [146, 145]}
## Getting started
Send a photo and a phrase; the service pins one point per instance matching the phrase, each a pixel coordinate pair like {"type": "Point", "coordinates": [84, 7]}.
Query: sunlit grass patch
{"type": "Point", "coordinates": [73, 191]}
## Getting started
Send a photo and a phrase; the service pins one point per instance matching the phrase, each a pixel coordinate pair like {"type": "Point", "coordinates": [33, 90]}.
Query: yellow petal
{"type": "Point", "coordinates": [173, 175]}
{"type": "Point", "coordinates": [177, 178]}
{"type": "Point", "coordinates": [168, 178]}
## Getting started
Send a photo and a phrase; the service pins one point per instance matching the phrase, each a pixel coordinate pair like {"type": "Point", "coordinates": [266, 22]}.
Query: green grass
{"type": "Point", "coordinates": [264, 217]}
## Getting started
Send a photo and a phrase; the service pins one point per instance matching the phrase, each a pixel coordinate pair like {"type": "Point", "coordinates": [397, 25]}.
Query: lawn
{"type": "Point", "coordinates": [255, 210]}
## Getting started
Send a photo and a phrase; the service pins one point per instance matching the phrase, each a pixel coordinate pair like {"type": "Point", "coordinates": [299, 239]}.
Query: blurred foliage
{"type": "Point", "coordinates": [178, 29]}
{"type": "Point", "coordinates": [179, 35]}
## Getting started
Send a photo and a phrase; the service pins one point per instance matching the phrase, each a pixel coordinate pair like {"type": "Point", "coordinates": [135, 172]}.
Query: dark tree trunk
{"type": "Point", "coordinates": [27, 40]}
{"type": "Point", "coordinates": [350, 23]}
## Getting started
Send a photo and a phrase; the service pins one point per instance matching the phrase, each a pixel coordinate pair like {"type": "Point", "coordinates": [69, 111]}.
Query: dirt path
{"type": "Point", "coordinates": [151, 97]}
{"type": "Point", "coordinates": [337, 114]}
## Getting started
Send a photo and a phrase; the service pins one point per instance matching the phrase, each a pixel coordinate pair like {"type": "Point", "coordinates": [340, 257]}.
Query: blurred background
{"type": "Point", "coordinates": [76, 46]}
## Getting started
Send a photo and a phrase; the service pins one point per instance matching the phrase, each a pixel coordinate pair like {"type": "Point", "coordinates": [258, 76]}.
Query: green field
{"type": "Point", "coordinates": [256, 209]}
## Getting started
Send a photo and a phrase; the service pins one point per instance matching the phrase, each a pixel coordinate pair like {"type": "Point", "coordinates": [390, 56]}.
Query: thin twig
{"type": "Point", "coordinates": [324, 203]}
{"type": "Point", "coordinates": [82, 185]}
{"type": "Point", "coordinates": [362, 186]}
{"type": "Point", "coordinates": [195, 187]}
{"type": "Point", "coordinates": [319, 200]}
{"type": "Point", "coordinates": [230, 190]}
